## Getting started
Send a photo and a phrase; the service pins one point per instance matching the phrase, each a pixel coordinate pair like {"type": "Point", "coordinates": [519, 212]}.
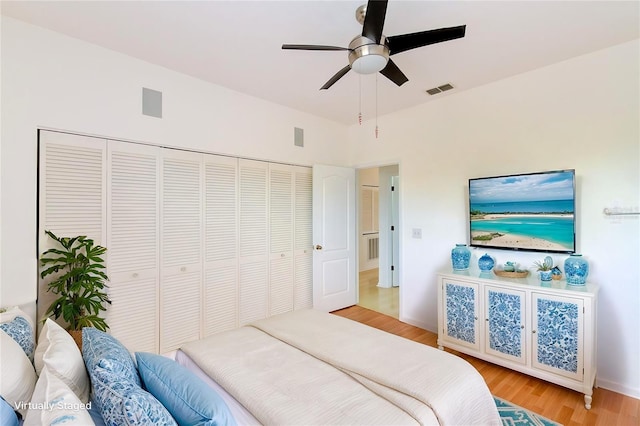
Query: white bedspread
{"type": "Point", "coordinates": [309, 367]}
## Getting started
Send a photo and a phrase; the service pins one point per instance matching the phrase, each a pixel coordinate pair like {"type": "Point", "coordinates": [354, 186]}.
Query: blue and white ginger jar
{"type": "Point", "coordinates": [460, 257]}
{"type": "Point", "coordinates": [485, 263]}
{"type": "Point", "coordinates": [576, 269]}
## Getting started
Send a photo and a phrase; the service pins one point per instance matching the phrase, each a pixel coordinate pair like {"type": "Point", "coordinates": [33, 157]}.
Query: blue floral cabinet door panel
{"type": "Point", "coordinates": [558, 335]}
{"type": "Point", "coordinates": [505, 324]}
{"type": "Point", "coordinates": [461, 313]}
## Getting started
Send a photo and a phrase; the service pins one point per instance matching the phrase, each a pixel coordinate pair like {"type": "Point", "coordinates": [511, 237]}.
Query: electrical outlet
{"type": "Point", "coordinates": [416, 233]}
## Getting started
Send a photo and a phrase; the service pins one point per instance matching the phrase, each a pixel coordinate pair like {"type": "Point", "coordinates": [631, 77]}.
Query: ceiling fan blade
{"type": "Point", "coordinates": [374, 20]}
{"type": "Point", "coordinates": [393, 73]}
{"type": "Point", "coordinates": [336, 77]}
{"type": "Point", "coordinates": [311, 47]}
{"type": "Point", "coordinates": [403, 42]}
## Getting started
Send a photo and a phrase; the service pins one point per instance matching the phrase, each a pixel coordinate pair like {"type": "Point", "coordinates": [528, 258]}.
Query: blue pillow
{"type": "Point", "coordinates": [21, 331]}
{"type": "Point", "coordinates": [189, 400]}
{"type": "Point", "coordinates": [123, 403]}
{"type": "Point", "coordinates": [8, 417]}
{"type": "Point", "coordinates": [102, 349]}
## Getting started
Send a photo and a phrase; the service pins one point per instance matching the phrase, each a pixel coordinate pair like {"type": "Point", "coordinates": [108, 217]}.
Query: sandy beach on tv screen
{"type": "Point", "coordinates": [492, 216]}
{"type": "Point", "coordinates": [513, 240]}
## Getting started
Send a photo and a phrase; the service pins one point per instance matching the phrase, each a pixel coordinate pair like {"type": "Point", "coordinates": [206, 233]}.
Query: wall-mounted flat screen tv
{"type": "Point", "coordinates": [530, 211]}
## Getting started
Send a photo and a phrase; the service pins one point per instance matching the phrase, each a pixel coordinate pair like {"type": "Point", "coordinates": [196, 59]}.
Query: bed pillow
{"type": "Point", "coordinates": [17, 373]}
{"type": "Point", "coordinates": [16, 323]}
{"type": "Point", "coordinates": [102, 349]}
{"type": "Point", "coordinates": [8, 417]}
{"type": "Point", "coordinates": [189, 400]}
{"type": "Point", "coordinates": [125, 403]}
{"type": "Point", "coordinates": [53, 402]}
{"type": "Point", "coordinates": [59, 353]}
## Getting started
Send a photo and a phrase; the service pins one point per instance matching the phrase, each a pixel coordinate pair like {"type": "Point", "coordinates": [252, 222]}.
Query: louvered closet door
{"type": "Point", "coordinates": [181, 248]}
{"type": "Point", "coordinates": [221, 244]}
{"type": "Point", "coordinates": [253, 266]}
{"type": "Point", "coordinates": [281, 274]}
{"type": "Point", "coordinates": [72, 193]}
{"type": "Point", "coordinates": [133, 244]}
{"type": "Point", "coordinates": [303, 244]}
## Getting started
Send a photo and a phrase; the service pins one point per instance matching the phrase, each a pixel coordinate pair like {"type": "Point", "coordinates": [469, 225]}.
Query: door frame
{"type": "Point", "coordinates": [358, 168]}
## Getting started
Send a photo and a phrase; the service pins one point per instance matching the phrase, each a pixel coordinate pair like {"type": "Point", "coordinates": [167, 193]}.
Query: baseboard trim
{"type": "Point", "coordinates": [618, 388]}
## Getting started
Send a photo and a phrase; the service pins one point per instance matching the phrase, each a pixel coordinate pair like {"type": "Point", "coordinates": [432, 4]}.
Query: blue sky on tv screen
{"type": "Point", "coordinates": [532, 187]}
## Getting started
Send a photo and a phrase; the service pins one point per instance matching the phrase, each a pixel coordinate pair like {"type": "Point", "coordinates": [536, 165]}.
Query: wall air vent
{"type": "Point", "coordinates": [440, 89]}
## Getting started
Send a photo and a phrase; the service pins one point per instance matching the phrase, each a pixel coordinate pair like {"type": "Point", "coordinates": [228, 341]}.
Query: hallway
{"type": "Point", "coordinates": [383, 300]}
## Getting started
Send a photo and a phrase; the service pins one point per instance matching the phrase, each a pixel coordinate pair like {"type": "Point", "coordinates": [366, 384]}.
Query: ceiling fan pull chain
{"type": "Point", "coordinates": [360, 99]}
{"type": "Point", "coordinates": [376, 106]}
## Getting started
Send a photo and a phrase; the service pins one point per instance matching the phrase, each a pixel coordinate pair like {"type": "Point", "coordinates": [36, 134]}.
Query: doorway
{"type": "Point", "coordinates": [378, 237]}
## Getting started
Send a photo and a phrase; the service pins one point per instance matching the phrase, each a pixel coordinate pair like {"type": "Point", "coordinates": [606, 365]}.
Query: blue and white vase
{"type": "Point", "coordinates": [545, 275]}
{"type": "Point", "coordinates": [576, 269]}
{"type": "Point", "coordinates": [485, 263]}
{"type": "Point", "coordinates": [460, 256]}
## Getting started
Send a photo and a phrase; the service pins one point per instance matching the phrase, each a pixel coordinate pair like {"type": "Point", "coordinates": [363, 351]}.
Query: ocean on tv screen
{"type": "Point", "coordinates": [526, 224]}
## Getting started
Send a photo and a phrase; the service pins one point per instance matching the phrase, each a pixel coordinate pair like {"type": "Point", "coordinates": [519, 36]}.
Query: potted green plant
{"type": "Point", "coordinates": [79, 281]}
{"type": "Point", "coordinates": [544, 268]}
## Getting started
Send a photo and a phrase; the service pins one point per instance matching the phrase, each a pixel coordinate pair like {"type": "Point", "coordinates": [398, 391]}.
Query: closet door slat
{"type": "Point", "coordinates": [180, 248]}
{"type": "Point", "coordinates": [133, 244]}
{"type": "Point", "coordinates": [281, 239]}
{"type": "Point", "coordinates": [303, 253]}
{"type": "Point", "coordinates": [253, 239]}
{"type": "Point", "coordinates": [221, 244]}
{"type": "Point", "coordinates": [72, 194]}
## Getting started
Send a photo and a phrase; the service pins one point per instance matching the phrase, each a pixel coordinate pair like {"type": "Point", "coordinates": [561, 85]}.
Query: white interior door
{"type": "Point", "coordinates": [334, 238]}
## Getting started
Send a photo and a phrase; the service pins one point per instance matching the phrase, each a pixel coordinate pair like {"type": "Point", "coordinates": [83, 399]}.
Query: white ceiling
{"type": "Point", "coordinates": [237, 44]}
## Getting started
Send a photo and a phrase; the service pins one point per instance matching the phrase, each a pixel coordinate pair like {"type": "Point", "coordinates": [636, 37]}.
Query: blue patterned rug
{"type": "Point", "coordinates": [513, 415]}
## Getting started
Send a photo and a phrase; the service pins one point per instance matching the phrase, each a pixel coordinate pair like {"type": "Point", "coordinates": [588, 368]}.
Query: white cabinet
{"type": "Point", "coordinates": [544, 330]}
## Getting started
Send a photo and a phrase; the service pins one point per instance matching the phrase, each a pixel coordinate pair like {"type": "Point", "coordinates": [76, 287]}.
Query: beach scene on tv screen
{"type": "Point", "coordinates": [533, 211]}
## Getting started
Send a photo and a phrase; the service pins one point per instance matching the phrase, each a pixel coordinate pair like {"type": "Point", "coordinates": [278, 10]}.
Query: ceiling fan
{"type": "Point", "coordinates": [370, 52]}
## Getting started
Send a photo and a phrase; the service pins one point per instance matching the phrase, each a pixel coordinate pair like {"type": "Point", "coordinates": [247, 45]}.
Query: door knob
{"type": "Point", "coordinates": [318, 247]}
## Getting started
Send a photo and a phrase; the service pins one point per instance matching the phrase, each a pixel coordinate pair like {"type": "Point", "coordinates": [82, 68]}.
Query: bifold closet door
{"type": "Point", "coordinates": [181, 242]}
{"type": "Point", "coordinates": [72, 193]}
{"type": "Point", "coordinates": [303, 238]}
{"type": "Point", "coordinates": [281, 224]}
{"type": "Point", "coordinates": [221, 244]}
{"type": "Point", "coordinates": [253, 234]}
{"type": "Point", "coordinates": [133, 244]}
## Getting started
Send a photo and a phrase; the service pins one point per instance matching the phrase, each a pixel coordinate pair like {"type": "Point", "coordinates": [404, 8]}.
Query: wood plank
{"type": "Point", "coordinates": [554, 402]}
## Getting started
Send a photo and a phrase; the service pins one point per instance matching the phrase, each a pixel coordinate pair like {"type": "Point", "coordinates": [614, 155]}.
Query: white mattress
{"type": "Point", "coordinates": [241, 414]}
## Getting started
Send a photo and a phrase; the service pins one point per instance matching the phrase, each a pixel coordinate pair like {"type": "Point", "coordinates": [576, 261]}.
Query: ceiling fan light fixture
{"type": "Point", "coordinates": [366, 57]}
{"type": "Point", "coordinates": [369, 64]}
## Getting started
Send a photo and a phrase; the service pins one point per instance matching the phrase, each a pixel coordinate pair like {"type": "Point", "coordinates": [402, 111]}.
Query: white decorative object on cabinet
{"type": "Point", "coordinates": [543, 330]}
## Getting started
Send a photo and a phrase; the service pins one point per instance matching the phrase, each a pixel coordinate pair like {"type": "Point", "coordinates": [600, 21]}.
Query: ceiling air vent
{"type": "Point", "coordinates": [439, 89]}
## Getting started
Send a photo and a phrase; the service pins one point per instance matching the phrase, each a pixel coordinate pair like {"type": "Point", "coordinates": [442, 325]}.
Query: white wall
{"type": "Point", "coordinates": [581, 114]}
{"type": "Point", "coordinates": [53, 81]}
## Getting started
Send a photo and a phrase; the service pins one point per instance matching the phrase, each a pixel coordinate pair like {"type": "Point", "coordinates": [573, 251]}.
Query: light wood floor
{"type": "Point", "coordinates": [551, 401]}
{"type": "Point", "coordinates": [383, 300]}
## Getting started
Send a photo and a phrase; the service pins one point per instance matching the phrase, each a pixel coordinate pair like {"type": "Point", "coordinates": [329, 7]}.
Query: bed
{"type": "Point", "coordinates": [309, 367]}
{"type": "Point", "coordinates": [303, 367]}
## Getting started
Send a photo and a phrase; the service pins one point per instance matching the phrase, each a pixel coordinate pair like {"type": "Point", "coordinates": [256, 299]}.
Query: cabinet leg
{"type": "Point", "coordinates": [441, 347]}
{"type": "Point", "coordinates": [587, 401]}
